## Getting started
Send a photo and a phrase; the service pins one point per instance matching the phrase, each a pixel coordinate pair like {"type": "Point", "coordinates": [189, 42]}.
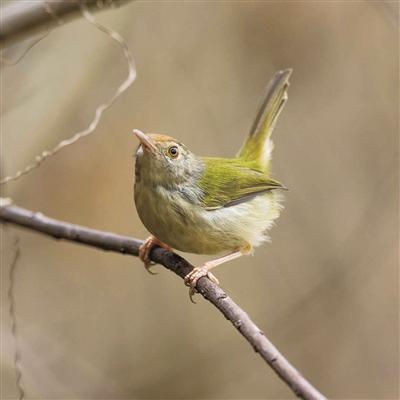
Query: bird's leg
{"type": "Point", "coordinates": [192, 277]}
{"type": "Point", "coordinates": [145, 249]}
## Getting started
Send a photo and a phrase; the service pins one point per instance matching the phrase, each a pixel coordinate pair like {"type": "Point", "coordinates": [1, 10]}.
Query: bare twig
{"type": "Point", "coordinates": [20, 19]}
{"type": "Point", "coordinates": [13, 318]}
{"type": "Point", "coordinates": [100, 109]}
{"type": "Point", "coordinates": [210, 291]}
{"type": "Point", "coordinates": [6, 61]}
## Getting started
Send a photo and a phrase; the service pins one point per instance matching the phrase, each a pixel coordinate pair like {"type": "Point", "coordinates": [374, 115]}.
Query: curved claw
{"type": "Point", "coordinates": [192, 277]}
{"type": "Point", "coordinates": [145, 250]}
{"type": "Point", "coordinates": [192, 292]}
{"type": "Point", "coordinates": [147, 266]}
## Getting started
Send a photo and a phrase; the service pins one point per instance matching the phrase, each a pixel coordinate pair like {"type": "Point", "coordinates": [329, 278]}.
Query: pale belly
{"type": "Point", "coordinates": [190, 228]}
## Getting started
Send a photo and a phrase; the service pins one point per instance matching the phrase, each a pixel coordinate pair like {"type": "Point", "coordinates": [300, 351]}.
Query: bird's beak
{"type": "Point", "coordinates": [145, 141]}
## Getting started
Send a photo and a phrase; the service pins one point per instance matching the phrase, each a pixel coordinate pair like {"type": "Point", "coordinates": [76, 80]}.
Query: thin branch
{"type": "Point", "coordinates": [21, 19]}
{"type": "Point", "coordinates": [46, 154]}
{"type": "Point", "coordinates": [13, 318]}
{"type": "Point", "coordinates": [210, 291]}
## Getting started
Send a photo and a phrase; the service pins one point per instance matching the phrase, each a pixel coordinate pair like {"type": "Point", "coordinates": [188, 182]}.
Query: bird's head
{"type": "Point", "coordinates": [164, 160]}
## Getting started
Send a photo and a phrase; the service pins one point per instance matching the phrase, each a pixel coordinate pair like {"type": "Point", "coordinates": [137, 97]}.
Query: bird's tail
{"type": "Point", "coordinates": [258, 145]}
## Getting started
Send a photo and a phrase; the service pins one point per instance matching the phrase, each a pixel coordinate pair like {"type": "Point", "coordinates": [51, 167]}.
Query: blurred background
{"type": "Point", "coordinates": [94, 324]}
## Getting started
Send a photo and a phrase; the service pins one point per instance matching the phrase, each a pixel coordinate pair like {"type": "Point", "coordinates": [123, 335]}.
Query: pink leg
{"type": "Point", "coordinates": [145, 249]}
{"type": "Point", "coordinates": [192, 277]}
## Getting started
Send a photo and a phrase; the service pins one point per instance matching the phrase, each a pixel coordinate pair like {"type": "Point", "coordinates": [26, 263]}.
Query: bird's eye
{"type": "Point", "coordinates": [173, 151]}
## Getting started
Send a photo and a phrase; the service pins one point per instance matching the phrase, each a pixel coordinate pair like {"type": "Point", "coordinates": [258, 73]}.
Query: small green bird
{"type": "Point", "coordinates": [210, 205]}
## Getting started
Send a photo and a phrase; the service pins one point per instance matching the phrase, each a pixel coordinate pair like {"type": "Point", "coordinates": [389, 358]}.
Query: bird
{"type": "Point", "coordinates": [210, 205]}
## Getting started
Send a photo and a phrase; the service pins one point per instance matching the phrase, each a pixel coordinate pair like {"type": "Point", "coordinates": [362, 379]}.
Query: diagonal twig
{"type": "Point", "coordinates": [209, 290]}
{"type": "Point", "coordinates": [46, 154]}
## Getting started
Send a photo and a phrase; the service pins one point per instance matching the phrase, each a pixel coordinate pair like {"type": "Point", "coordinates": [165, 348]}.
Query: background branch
{"type": "Point", "coordinates": [20, 19]}
{"type": "Point", "coordinates": [210, 291]}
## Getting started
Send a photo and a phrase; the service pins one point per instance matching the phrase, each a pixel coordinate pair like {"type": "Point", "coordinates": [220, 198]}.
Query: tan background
{"type": "Point", "coordinates": [96, 325]}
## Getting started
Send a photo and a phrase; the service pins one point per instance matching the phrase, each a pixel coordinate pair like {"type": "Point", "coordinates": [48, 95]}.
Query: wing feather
{"type": "Point", "coordinates": [228, 182]}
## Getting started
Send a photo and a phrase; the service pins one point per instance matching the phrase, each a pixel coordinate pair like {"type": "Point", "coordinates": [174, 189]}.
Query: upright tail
{"type": "Point", "coordinates": [258, 145]}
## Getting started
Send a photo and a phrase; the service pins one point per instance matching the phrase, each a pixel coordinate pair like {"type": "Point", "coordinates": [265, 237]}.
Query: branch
{"type": "Point", "coordinates": [20, 19]}
{"type": "Point", "coordinates": [210, 291]}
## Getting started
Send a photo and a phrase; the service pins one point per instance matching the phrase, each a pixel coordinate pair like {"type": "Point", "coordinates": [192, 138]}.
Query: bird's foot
{"type": "Point", "coordinates": [145, 250]}
{"type": "Point", "coordinates": [192, 277]}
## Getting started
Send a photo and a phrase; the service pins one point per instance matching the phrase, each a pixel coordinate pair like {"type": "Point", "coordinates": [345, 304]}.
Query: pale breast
{"type": "Point", "coordinates": [172, 219]}
{"type": "Point", "coordinates": [185, 226]}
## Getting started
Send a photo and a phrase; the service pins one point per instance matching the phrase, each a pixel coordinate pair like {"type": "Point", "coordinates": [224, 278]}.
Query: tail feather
{"type": "Point", "coordinates": [258, 145]}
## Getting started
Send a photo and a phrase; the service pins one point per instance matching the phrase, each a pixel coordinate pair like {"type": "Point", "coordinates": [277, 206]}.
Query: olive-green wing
{"type": "Point", "coordinates": [227, 182]}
